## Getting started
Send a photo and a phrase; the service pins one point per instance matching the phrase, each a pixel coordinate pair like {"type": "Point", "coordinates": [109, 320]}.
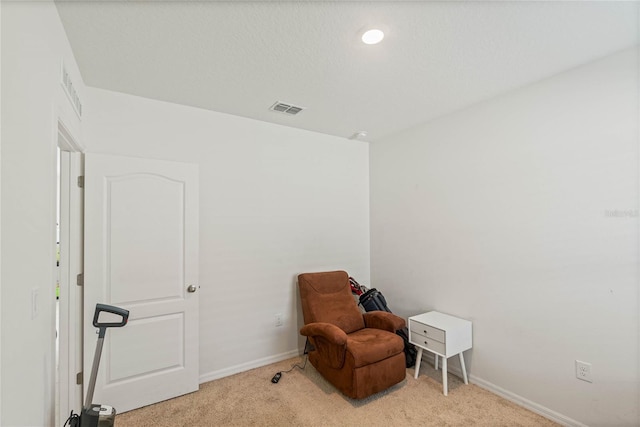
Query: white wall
{"type": "Point", "coordinates": [0, 211]}
{"type": "Point", "coordinates": [274, 202]}
{"type": "Point", "coordinates": [33, 47]}
{"type": "Point", "coordinates": [501, 214]}
{"type": "Point", "coordinates": [496, 213]}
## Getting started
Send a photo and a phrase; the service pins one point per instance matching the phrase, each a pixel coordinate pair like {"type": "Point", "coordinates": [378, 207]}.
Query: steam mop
{"type": "Point", "coordinates": [96, 414]}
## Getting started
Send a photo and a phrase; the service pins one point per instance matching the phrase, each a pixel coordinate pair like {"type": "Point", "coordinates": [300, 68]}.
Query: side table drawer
{"type": "Point", "coordinates": [428, 343]}
{"type": "Point", "coordinates": [426, 330]}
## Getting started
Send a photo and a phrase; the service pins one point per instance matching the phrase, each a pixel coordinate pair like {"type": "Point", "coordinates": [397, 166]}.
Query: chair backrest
{"type": "Point", "coordinates": [326, 297]}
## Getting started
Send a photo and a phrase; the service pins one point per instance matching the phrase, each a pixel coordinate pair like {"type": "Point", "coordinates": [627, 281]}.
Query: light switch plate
{"type": "Point", "coordinates": [35, 292]}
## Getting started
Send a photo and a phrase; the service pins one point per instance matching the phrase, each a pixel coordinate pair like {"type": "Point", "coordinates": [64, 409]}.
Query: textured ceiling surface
{"type": "Point", "coordinates": [241, 57]}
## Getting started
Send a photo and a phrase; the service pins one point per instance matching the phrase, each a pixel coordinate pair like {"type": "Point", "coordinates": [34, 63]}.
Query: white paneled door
{"type": "Point", "coordinates": [141, 254]}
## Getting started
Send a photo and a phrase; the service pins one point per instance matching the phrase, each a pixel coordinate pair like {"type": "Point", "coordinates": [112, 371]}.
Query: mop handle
{"type": "Point", "coordinates": [94, 370]}
{"type": "Point", "coordinates": [100, 308]}
{"type": "Point", "coordinates": [102, 332]}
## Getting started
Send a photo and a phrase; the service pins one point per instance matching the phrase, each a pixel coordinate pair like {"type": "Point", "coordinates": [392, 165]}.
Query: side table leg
{"type": "Point", "coordinates": [418, 360]}
{"type": "Point", "coordinates": [464, 369]}
{"type": "Point", "coordinates": [445, 386]}
{"type": "Point", "coordinates": [435, 363]}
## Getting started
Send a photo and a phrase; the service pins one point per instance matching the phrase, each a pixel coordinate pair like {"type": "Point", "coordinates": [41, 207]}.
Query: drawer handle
{"type": "Point", "coordinates": [425, 332]}
{"type": "Point", "coordinates": [426, 343]}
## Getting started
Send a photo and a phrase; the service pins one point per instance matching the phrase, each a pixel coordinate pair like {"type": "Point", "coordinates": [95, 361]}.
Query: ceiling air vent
{"type": "Point", "coordinates": [286, 108]}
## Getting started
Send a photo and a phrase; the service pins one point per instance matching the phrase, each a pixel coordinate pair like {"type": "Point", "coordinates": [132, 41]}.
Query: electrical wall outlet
{"type": "Point", "coordinates": [583, 371]}
{"type": "Point", "coordinates": [279, 319]}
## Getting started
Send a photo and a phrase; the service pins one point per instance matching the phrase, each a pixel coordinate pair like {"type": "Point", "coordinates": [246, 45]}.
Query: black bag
{"type": "Point", "coordinates": [410, 352]}
{"type": "Point", "coordinates": [373, 300]}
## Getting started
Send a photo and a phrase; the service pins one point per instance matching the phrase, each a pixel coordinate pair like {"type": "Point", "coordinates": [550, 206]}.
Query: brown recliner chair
{"type": "Point", "coordinates": [358, 353]}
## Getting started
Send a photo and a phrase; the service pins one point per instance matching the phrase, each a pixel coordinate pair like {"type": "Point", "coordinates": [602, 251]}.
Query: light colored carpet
{"type": "Point", "coordinates": [304, 398]}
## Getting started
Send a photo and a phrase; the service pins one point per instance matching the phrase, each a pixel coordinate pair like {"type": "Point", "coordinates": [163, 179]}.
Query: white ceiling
{"type": "Point", "coordinates": [240, 57]}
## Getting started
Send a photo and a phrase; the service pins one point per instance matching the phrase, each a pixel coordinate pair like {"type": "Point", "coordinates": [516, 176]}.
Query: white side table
{"type": "Point", "coordinates": [442, 335]}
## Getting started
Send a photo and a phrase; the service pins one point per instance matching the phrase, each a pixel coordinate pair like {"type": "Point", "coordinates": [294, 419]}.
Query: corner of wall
{"type": "Point", "coordinates": [30, 105]}
{"type": "Point", "coordinates": [638, 169]}
{"type": "Point", "coordinates": [0, 210]}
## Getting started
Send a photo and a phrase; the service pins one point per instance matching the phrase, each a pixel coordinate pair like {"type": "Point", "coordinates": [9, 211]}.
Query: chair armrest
{"type": "Point", "coordinates": [383, 320]}
{"type": "Point", "coordinates": [329, 341]}
{"type": "Point", "coordinates": [330, 332]}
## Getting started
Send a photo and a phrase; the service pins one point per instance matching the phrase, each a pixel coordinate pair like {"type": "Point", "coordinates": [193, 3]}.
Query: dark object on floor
{"type": "Point", "coordinates": [278, 375]}
{"type": "Point", "coordinates": [358, 353]}
{"type": "Point", "coordinates": [373, 300]}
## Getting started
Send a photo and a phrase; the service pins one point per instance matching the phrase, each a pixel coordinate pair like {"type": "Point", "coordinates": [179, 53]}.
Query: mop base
{"type": "Point", "coordinates": [98, 415]}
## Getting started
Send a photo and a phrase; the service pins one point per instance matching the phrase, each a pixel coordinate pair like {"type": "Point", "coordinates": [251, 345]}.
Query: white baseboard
{"type": "Point", "coordinates": [247, 366]}
{"type": "Point", "coordinates": [532, 406]}
{"type": "Point", "coordinates": [512, 397]}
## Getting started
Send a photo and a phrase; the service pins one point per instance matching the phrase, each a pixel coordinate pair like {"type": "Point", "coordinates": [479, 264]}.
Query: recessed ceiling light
{"type": "Point", "coordinates": [373, 36]}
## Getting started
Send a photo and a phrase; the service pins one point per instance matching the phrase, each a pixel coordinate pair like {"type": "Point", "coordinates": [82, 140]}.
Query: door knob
{"type": "Point", "coordinates": [192, 288]}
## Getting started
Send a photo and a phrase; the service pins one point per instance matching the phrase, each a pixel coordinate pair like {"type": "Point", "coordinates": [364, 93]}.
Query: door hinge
{"type": "Point", "coordinates": [79, 378]}
{"type": "Point", "coordinates": [80, 279]}
{"type": "Point", "coordinates": [81, 181]}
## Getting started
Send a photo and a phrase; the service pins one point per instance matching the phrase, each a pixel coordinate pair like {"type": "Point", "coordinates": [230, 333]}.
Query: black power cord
{"type": "Point", "coordinates": [278, 375]}
{"type": "Point", "coordinates": [73, 420]}
{"type": "Point", "coordinates": [307, 347]}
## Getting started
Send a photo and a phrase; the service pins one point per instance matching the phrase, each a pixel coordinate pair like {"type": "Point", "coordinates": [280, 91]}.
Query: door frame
{"type": "Point", "coordinates": [70, 331]}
